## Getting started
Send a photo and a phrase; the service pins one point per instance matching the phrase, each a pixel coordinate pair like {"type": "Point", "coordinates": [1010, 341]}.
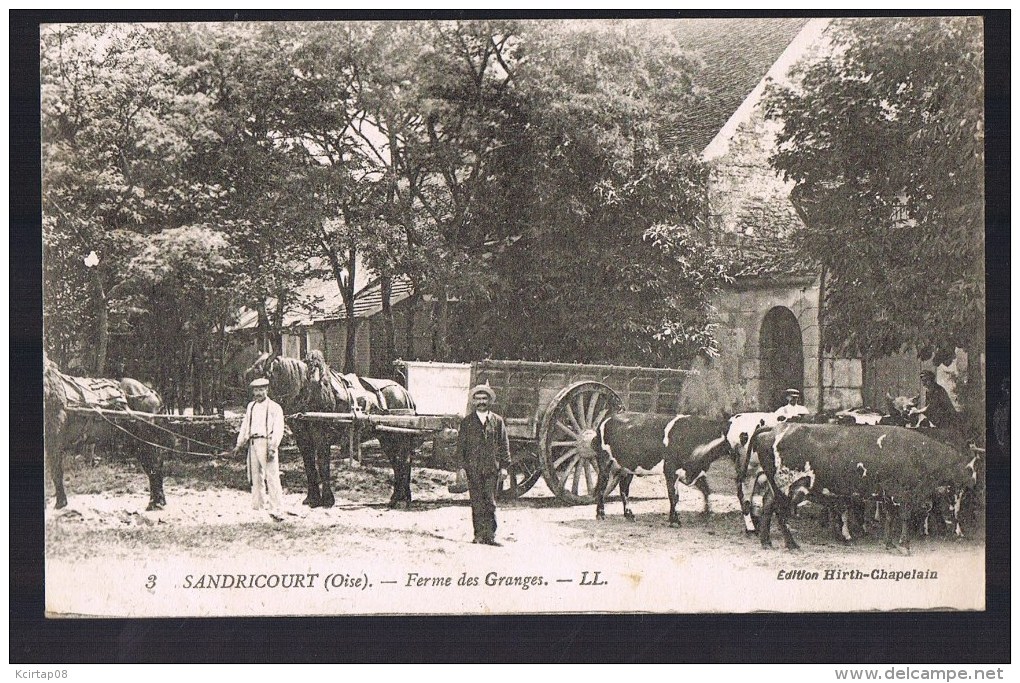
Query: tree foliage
{"type": "Point", "coordinates": [610, 265]}
{"type": "Point", "coordinates": [883, 135]}
{"type": "Point", "coordinates": [117, 132]}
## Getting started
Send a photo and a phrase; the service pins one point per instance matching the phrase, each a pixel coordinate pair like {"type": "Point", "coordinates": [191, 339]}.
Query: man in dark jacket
{"type": "Point", "coordinates": [483, 448]}
{"type": "Point", "coordinates": [938, 407]}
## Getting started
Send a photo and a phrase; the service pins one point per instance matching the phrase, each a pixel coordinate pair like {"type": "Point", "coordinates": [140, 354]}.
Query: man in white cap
{"type": "Point", "coordinates": [793, 407]}
{"type": "Point", "coordinates": [483, 448]}
{"type": "Point", "coordinates": [262, 432]}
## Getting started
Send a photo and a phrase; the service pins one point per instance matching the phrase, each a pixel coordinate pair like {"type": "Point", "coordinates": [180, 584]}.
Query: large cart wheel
{"type": "Point", "coordinates": [526, 470]}
{"type": "Point", "coordinates": [569, 426]}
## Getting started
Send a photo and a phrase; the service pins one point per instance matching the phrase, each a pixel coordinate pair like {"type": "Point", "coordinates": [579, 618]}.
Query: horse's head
{"type": "Point", "coordinates": [317, 369]}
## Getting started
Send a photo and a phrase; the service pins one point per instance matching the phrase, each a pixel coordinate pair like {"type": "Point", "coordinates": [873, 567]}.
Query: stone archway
{"type": "Point", "coordinates": [782, 357]}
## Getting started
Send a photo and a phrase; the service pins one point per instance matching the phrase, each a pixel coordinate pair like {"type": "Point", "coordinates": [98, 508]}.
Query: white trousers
{"type": "Point", "coordinates": [265, 474]}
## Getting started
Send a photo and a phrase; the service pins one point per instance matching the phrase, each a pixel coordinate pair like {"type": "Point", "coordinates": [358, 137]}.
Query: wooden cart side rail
{"type": "Point", "coordinates": [551, 366]}
{"type": "Point", "coordinates": [385, 422]}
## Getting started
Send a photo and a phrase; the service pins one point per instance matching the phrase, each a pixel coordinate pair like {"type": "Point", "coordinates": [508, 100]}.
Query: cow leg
{"type": "Point", "coordinates": [674, 497]}
{"type": "Point", "coordinates": [765, 521]}
{"type": "Point", "coordinates": [759, 490]}
{"type": "Point", "coordinates": [888, 510]}
{"type": "Point", "coordinates": [903, 546]}
{"type": "Point", "coordinates": [745, 504]}
{"type": "Point", "coordinates": [783, 507]}
{"type": "Point", "coordinates": [605, 474]}
{"type": "Point", "coordinates": [625, 480]}
{"type": "Point", "coordinates": [701, 483]}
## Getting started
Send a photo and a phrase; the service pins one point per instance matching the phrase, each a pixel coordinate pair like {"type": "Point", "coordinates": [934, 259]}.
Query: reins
{"type": "Point", "coordinates": [139, 416]}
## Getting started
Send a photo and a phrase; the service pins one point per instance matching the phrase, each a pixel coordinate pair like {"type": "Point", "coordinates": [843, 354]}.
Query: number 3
{"type": "Point", "coordinates": [151, 583]}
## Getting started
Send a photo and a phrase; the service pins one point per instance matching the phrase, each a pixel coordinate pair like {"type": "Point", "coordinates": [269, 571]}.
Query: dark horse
{"type": "Point", "coordinates": [311, 386]}
{"type": "Point", "coordinates": [63, 430]}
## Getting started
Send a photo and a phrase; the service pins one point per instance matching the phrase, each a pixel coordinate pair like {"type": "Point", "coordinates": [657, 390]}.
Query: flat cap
{"type": "Point", "coordinates": [484, 389]}
{"type": "Point", "coordinates": [260, 382]}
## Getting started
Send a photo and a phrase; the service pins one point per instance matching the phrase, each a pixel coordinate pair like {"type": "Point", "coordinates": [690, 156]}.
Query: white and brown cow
{"type": "Point", "coordinates": [902, 468]}
{"type": "Point", "coordinates": [738, 433]}
{"type": "Point", "coordinates": [636, 443]}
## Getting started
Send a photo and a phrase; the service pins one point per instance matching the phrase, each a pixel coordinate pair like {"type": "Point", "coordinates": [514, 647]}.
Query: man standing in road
{"type": "Point", "coordinates": [261, 432]}
{"type": "Point", "coordinates": [483, 449]}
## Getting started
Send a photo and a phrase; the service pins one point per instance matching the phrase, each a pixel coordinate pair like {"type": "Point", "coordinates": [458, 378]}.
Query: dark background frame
{"type": "Point", "coordinates": [872, 638]}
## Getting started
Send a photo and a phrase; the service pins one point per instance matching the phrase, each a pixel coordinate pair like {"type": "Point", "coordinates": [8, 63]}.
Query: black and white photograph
{"type": "Point", "coordinates": [500, 316]}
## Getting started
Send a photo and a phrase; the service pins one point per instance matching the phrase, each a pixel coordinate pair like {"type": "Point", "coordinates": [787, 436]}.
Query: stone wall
{"type": "Point", "coordinates": [746, 197]}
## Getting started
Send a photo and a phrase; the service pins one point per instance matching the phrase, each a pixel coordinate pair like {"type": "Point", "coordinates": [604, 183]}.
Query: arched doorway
{"type": "Point", "coordinates": [782, 357]}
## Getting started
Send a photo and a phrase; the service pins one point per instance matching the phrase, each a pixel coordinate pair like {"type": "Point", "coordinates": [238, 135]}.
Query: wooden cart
{"type": "Point", "coordinates": [552, 411]}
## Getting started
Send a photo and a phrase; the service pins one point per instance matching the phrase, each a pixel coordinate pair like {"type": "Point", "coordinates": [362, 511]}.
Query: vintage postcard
{"type": "Point", "coordinates": [514, 316]}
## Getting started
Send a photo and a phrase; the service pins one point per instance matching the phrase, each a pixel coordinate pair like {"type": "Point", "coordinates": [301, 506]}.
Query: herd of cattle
{"type": "Point", "coordinates": [856, 464]}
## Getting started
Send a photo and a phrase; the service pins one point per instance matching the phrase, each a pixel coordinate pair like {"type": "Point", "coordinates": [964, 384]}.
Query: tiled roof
{"type": "Point", "coordinates": [737, 53]}
{"type": "Point", "coordinates": [329, 303]}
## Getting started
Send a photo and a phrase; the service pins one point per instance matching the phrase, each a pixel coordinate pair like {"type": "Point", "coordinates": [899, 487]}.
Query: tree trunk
{"type": "Point", "coordinates": [821, 342]}
{"type": "Point", "coordinates": [389, 341]}
{"type": "Point", "coordinates": [440, 343]}
{"type": "Point", "coordinates": [351, 346]}
{"type": "Point", "coordinates": [263, 332]}
{"type": "Point", "coordinates": [412, 308]}
{"type": "Point", "coordinates": [102, 324]}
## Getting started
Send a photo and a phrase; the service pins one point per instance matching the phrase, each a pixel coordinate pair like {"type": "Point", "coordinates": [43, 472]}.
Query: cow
{"type": "Point", "coordinates": [635, 443]}
{"type": "Point", "coordinates": [738, 433]}
{"type": "Point", "coordinates": [901, 468]}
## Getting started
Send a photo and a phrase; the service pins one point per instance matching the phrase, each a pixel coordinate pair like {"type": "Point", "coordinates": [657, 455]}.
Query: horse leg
{"type": "Point", "coordinates": [152, 464]}
{"type": "Point", "coordinates": [322, 455]}
{"type": "Point", "coordinates": [398, 451]}
{"type": "Point", "coordinates": [307, 448]}
{"type": "Point", "coordinates": [55, 457]}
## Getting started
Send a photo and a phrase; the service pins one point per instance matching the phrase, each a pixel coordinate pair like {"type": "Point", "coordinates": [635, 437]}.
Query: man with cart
{"type": "Point", "coordinates": [483, 449]}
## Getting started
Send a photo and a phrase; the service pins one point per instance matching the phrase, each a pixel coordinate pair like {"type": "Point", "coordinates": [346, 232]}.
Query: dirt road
{"type": "Point", "coordinates": [709, 564]}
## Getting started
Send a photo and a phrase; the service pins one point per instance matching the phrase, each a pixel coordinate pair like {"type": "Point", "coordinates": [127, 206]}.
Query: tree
{"type": "Point", "coordinates": [117, 130]}
{"type": "Point", "coordinates": [181, 297]}
{"type": "Point", "coordinates": [883, 136]}
{"type": "Point", "coordinates": [610, 262]}
{"type": "Point", "coordinates": [247, 74]}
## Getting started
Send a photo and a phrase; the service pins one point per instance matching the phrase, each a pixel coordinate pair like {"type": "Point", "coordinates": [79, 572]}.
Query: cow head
{"type": "Point", "coordinates": [900, 406]}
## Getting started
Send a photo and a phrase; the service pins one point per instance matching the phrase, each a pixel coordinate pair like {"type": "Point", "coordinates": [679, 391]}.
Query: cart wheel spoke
{"type": "Point", "coordinates": [582, 411]}
{"type": "Point", "coordinates": [567, 470]}
{"type": "Point", "coordinates": [567, 430]}
{"type": "Point", "coordinates": [587, 475]}
{"type": "Point", "coordinates": [563, 458]}
{"type": "Point", "coordinates": [569, 410]}
{"type": "Point", "coordinates": [590, 417]}
{"type": "Point", "coordinates": [577, 476]}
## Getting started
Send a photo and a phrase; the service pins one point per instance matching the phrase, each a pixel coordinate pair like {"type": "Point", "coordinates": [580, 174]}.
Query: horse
{"type": "Point", "coordinates": [63, 429]}
{"type": "Point", "coordinates": [311, 386]}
